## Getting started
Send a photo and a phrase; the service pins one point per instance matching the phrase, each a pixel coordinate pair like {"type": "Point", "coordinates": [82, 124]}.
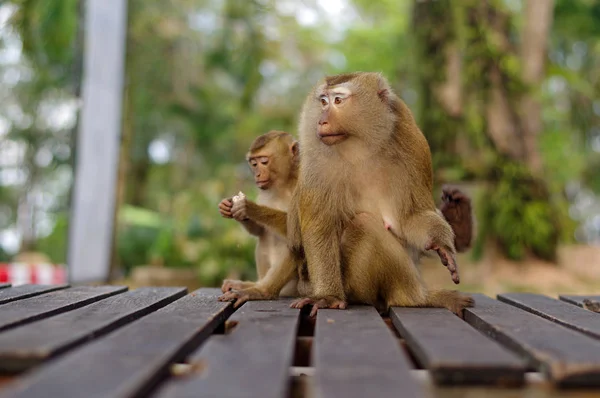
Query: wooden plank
{"type": "Point", "coordinates": [565, 356]}
{"type": "Point", "coordinates": [356, 355]}
{"type": "Point", "coordinates": [591, 303]}
{"type": "Point", "coordinates": [259, 348]}
{"type": "Point", "coordinates": [453, 351]}
{"type": "Point", "coordinates": [26, 346]}
{"type": "Point", "coordinates": [27, 291]}
{"type": "Point", "coordinates": [94, 187]}
{"type": "Point", "coordinates": [557, 311]}
{"type": "Point", "coordinates": [132, 360]}
{"type": "Point", "coordinates": [32, 309]}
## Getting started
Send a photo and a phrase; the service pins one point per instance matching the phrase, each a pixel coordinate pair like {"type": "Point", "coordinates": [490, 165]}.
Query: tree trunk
{"type": "Point", "coordinates": [538, 16]}
{"type": "Point", "coordinates": [439, 72]}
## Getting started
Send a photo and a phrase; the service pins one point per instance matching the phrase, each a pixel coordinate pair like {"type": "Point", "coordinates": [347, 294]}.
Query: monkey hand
{"type": "Point", "coordinates": [231, 284]}
{"type": "Point", "coordinates": [239, 208]}
{"type": "Point", "coordinates": [239, 297]}
{"type": "Point", "coordinates": [324, 302]}
{"type": "Point", "coordinates": [225, 208]}
{"type": "Point", "coordinates": [447, 256]}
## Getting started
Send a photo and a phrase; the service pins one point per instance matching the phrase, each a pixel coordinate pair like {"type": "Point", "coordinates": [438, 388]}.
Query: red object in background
{"type": "Point", "coordinates": [24, 273]}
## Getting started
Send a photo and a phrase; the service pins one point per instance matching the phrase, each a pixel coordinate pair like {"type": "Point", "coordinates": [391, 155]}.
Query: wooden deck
{"type": "Point", "coordinates": [106, 341]}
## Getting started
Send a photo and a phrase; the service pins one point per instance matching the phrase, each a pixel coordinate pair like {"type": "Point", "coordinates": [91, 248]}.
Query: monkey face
{"type": "Point", "coordinates": [261, 168]}
{"type": "Point", "coordinates": [334, 102]}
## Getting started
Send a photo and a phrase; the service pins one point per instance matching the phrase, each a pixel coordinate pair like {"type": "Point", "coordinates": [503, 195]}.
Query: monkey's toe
{"type": "Point", "coordinates": [463, 302]}
{"type": "Point", "coordinates": [300, 303]}
{"type": "Point", "coordinates": [328, 302]}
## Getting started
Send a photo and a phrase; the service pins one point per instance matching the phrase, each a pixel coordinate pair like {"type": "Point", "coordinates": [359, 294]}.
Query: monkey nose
{"type": "Point", "coordinates": [322, 123]}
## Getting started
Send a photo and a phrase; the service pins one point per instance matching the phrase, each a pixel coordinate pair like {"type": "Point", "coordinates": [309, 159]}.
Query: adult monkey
{"type": "Point", "coordinates": [364, 162]}
{"type": "Point", "coordinates": [273, 159]}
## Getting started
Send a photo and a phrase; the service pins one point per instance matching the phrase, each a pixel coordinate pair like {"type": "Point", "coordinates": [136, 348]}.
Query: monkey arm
{"type": "Point", "coordinates": [294, 235]}
{"type": "Point", "coordinates": [428, 230]}
{"type": "Point", "coordinates": [273, 219]}
{"type": "Point", "coordinates": [252, 227]}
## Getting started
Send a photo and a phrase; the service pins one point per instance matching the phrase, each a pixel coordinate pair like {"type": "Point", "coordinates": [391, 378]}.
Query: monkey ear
{"type": "Point", "coordinates": [383, 88]}
{"type": "Point", "coordinates": [295, 148]}
{"type": "Point", "coordinates": [383, 94]}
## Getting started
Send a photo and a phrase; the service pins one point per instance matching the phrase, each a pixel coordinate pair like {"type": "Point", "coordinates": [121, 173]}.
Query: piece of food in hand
{"type": "Point", "coordinates": [238, 197]}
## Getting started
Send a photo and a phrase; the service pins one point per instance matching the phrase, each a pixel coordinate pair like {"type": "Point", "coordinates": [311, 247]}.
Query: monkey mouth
{"type": "Point", "coordinates": [332, 138]}
{"type": "Point", "coordinates": [263, 184]}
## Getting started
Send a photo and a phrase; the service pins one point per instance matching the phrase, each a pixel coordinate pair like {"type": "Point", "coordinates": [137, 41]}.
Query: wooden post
{"type": "Point", "coordinates": [97, 154]}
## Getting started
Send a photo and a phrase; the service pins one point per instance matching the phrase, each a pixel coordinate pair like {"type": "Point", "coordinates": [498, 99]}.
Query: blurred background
{"type": "Point", "coordinates": [506, 91]}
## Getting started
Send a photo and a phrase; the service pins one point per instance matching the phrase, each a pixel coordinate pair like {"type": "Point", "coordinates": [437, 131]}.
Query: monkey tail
{"type": "Point", "coordinates": [453, 300]}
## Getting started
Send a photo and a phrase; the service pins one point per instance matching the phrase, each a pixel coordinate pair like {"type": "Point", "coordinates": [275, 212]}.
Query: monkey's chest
{"type": "Point", "coordinates": [375, 198]}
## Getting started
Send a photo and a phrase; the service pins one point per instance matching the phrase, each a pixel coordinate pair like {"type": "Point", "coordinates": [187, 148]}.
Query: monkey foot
{"type": "Point", "coordinates": [447, 259]}
{"type": "Point", "coordinates": [239, 297]}
{"type": "Point", "coordinates": [325, 302]}
{"type": "Point", "coordinates": [231, 284]}
{"type": "Point", "coordinates": [459, 305]}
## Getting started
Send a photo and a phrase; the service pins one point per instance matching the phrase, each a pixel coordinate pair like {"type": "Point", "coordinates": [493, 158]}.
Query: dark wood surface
{"type": "Point", "coordinates": [152, 342]}
{"type": "Point", "coordinates": [28, 345]}
{"type": "Point", "coordinates": [132, 360]}
{"type": "Point", "coordinates": [566, 356]}
{"type": "Point", "coordinates": [31, 309]}
{"type": "Point", "coordinates": [557, 311]}
{"type": "Point", "coordinates": [252, 360]}
{"type": "Point", "coordinates": [591, 303]}
{"type": "Point", "coordinates": [356, 355]}
{"type": "Point", "coordinates": [453, 351]}
{"type": "Point", "coordinates": [26, 291]}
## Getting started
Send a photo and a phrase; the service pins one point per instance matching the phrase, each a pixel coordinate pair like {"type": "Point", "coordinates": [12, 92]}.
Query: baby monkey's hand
{"type": "Point", "coordinates": [225, 208]}
{"type": "Point", "coordinates": [238, 210]}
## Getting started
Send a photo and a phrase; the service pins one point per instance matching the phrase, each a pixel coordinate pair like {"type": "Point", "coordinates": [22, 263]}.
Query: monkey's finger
{"type": "Point", "coordinates": [241, 300]}
{"type": "Point", "coordinates": [223, 207]}
{"type": "Point", "coordinates": [314, 310]}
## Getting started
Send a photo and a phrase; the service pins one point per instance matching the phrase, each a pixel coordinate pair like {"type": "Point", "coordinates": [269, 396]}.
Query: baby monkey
{"type": "Point", "coordinates": [365, 165]}
{"type": "Point", "coordinates": [273, 159]}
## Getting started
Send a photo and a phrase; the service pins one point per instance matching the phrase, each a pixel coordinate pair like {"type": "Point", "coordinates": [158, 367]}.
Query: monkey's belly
{"type": "Point", "coordinates": [277, 249]}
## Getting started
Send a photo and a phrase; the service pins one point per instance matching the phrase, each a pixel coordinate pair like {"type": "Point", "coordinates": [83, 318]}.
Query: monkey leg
{"type": "Point", "coordinates": [290, 289]}
{"type": "Point", "coordinates": [323, 257]}
{"type": "Point", "coordinates": [377, 267]}
{"type": "Point", "coordinates": [267, 288]}
{"type": "Point", "coordinates": [379, 271]}
{"type": "Point", "coordinates": [428, 230]}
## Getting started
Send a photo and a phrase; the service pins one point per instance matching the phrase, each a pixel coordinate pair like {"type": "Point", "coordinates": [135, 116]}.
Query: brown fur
{"type": "Point", "coordinates": [377, 171]}
{"type": "Point", "coordinates": [456, 208]}
{"type": "Point", "coordinates": [280, 172]}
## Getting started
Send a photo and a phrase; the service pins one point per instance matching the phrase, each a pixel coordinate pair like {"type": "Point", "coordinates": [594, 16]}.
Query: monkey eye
{"type": "Point", "coordinates": [324, 101]}
{"type": "Point", "coordinates": [264, 160]}
{"type": "Point", "coordinates": [337, 100]}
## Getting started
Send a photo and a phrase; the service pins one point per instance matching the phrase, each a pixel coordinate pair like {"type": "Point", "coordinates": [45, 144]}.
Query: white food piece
{"type": "Point", "coordinates": [238, 197]}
